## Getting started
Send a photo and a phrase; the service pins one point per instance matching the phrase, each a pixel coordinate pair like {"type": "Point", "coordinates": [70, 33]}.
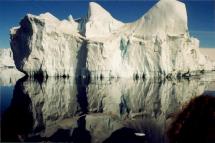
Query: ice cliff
{"type": "Point", "coordinates": [157, 44]}
{"type": "Point", "coordinates": [8, 72]}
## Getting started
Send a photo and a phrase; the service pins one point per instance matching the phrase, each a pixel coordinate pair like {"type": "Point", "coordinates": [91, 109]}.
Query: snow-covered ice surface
{"type": "Point", "coordinates": [157, 44]}
{"type": "Point", "coordinates": [6, 57]}
{"type": "Point", "coordinates": [209, 52]}
{"type": "Point", "coordinates": [8, 72]}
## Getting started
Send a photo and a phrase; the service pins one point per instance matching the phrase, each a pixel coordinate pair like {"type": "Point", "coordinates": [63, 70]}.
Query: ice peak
{"type": "Point", "coordinates": [96, 11]}
{"type": "Point", "coordinates": [70, 18]}
{"type": "Point", "coordinates": [48, 16]}
{"type": "Point", "coordinates": [99, 22]}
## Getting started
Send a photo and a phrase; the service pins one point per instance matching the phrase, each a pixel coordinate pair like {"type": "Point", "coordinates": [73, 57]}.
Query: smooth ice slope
{"type": "Point", "coordinates": [167, 17]}
{"type": "Point", "coordinates": [157, 44]}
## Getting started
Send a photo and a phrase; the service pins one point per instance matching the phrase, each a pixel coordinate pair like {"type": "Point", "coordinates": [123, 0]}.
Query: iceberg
{"type": "Point", "coordinates": [156, 45]}
{"type": "Point", "coordinates": [8, 72]}
{"type": "Point", "coordinates": [44, 44]}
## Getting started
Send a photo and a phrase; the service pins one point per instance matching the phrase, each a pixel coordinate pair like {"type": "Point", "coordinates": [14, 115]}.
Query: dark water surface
{"type": "Point", "coordinates": [6, 94]}
{"type": "Point", "coordinates": [108, 110]}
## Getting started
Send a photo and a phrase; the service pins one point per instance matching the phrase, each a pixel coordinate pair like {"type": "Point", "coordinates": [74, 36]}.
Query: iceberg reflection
{"type": "Point", "coordinates": [99, 108]}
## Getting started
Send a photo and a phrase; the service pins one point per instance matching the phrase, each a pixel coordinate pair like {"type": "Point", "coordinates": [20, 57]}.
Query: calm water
{"type": "Point", "coordinates": [6, 94]}
{"type": "Point", "coordinates": [105, 110]}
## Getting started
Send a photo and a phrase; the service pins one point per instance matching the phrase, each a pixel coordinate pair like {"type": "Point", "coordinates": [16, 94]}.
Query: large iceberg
{"type": "Point", "coordinates": [157, 44]}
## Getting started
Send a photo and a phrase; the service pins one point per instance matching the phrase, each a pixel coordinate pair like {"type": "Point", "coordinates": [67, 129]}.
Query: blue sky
{"type": "Point", "coordinates": [201, 14]}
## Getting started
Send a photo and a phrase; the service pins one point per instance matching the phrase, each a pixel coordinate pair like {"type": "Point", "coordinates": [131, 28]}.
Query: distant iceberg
{"type": "Point", "coordinates": [8, 72]}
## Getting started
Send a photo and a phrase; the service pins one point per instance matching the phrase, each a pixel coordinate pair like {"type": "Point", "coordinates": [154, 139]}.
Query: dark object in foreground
{"type": "Point", "coordinates": [196, 122]}
{"type": "Point", "coordinates": [125, 135]}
